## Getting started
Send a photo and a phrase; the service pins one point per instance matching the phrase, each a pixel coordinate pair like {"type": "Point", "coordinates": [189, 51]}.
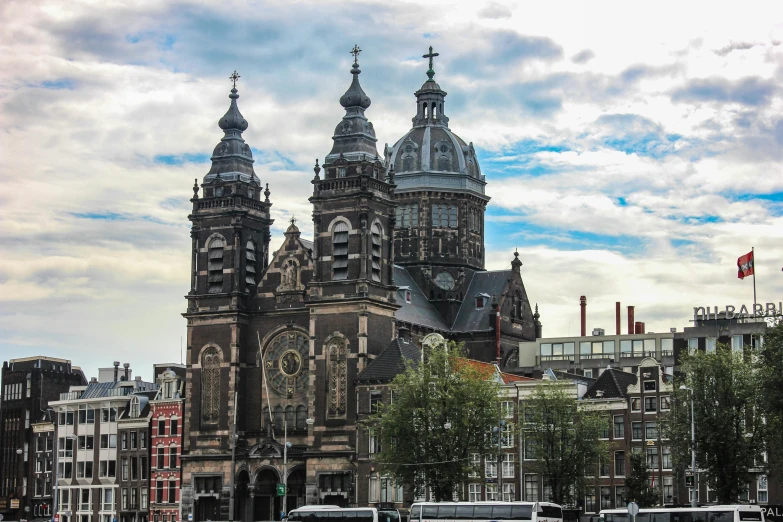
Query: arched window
{"type": "Point", "coordinates": [250, 263]}
{"type": "Point", "coordinates": [210, 385]}
{"type": "Point", "coordinates": [301, 417]}
{"type": "Point", "coordinates": [398, 217]}
{"type": "Point", "coordinates": [340, 251]}
{"type": "Point", "coordinates": [134, 406]}
{"type": "Point", "coordinates": [290, 417]}
{"type": "Point", "coordinates": [279, 419]}
{"type": "Point", "coordinates": [336, 368]}
{"type": "Point", "coordinates": [215, 266]}
{"type": "Point", "coordinates": [377, 235]}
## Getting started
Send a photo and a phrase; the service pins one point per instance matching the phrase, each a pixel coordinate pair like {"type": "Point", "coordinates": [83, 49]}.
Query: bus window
{"type": "Point", "coordinates": [482, 512]}
{"type": "Point", "coordinates": [388, 515]}
{"type": "Point", "coordinates": [551, 512]}
{"type": "Point", "coordinates": [361, 516]}
{"type": "Point", "coordinates": [464, 512]}
{"type": "Point", "coordinates": [726, 516]}
{"type": "Point", "coordinates": [446, 512]}
{"type": "Point", "coordinates": [501, 512]}
{"type": "Point", "coordinates": [521, 512]}
{"type": "Point", "coordinates": [430, 512]}
{"type": "Point", "coordinates": [349, 516]}
{"type": "Point", "coordinates": [642, 517]}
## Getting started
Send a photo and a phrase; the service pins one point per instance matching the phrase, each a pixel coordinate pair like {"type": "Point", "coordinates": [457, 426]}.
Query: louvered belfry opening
{"type": "Point", "coordinates": [250, 263]}
{"type": "Point", "coordinates": [376, 252]}
{"type": "Point", "coordinates": [340, 253]}
{"type": "Point", "coordinates": [215, 266]}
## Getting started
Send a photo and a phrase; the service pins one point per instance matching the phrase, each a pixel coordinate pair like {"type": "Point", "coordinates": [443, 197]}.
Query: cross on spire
{"type": "Point", "coordinates": [430, 55]}
{"type": "Point", "coordinates": [355, 52]}
{"type": "Point", "coordinates": [234, 77]}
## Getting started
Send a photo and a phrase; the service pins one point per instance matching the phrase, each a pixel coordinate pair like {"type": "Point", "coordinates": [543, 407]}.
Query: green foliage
{"type": "Point", "coordinates": [771, 380]}
{"type": "Point", "coordinates": [730, 432]}
{"type": "Point", "coordinates": [565, 439]}
{"type": "Point", "coordinates": [416, 447]}
{"type": "Point", "coordinates": [637, 484]}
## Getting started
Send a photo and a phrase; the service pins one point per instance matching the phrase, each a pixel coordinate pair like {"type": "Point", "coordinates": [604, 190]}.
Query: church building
{"type": "Point", "coordinates": [277, 337]}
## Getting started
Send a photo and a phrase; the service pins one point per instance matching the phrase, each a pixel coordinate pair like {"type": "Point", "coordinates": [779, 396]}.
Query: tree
{"type": "Point", "coordinates": [442, 412]}
{"type": "Point", "coordinates": [771, 372]}
{"type": "Point", "coordinates": [729, 430]}
{"type": "Point", "coordinates": [564, 439]}
{"type": "Point", "coordinates": [637, 484]}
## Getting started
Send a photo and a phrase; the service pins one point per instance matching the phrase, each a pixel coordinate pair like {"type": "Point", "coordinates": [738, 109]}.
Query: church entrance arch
{"type": "Point", "coordinates": [242, 497]}
{"type": "Point", "coordinates": [296, 488]}
{"type": "Point", "coordinates": [266, 505]}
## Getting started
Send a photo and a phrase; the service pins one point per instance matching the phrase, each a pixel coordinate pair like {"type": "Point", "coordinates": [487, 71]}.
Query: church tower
{"type": "Point", "coordinates": [230, 250]}
{"type": "Point", "coordinates": [439, 234]}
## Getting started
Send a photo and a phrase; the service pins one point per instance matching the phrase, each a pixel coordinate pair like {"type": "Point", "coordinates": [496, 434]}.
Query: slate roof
{"type": "Point", "coordinates": [468, 318]}
{"type": "Point", "coordinates": [391, 362]}
{"type": "Point", "coordinates": [561, 375]}
{"type": "Point", "coordinates": [613, 383]}
{"type": "Point", "coordinates": [101, 389]}
{"type": "Point", "coordinates": [419, 311]}
{"type": "Point", "coordinates": [307, 244]}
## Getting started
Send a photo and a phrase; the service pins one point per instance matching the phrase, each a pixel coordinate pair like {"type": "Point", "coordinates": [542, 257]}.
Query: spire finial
{"type": "Point", "coordinates": [431, 71]}
{"type": "Point", "coordinates": [293, 220]}
{"type": "Point", "coordinates": [355, 52]}
{"type": "Point", "coordinates": [234, 77]}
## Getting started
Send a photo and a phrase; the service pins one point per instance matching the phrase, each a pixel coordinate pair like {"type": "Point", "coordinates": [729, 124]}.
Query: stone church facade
{"type": "Point", "coordinates": [276, 339]}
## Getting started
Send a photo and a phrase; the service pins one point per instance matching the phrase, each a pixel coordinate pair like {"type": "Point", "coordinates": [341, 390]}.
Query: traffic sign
{"type": "Point", "coordinates": [190, 517]}
{"type": "Point", "coordinates": [633, 509]}
{"type": "Point", "coordinates": [689, 482]}
{"type": "Point", "coordinates": [281, 490]}
{"type": "Point", "coordinates": [56, 517]}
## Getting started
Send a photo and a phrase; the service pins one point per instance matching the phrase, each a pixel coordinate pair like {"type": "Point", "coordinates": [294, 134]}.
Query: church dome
{"type": "Point", "coordinates": [430, 154]}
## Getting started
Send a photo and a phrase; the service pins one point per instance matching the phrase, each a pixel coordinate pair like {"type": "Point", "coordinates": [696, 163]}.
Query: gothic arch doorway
{"type": "Point", "coordinates": [266, 504]}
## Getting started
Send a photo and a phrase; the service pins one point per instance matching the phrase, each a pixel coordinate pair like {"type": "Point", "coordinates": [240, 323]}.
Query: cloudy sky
{"type": "Point", "coordinates": [633, 150]}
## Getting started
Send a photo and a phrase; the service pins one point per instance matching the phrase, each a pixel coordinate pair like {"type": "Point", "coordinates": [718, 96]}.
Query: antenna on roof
{"type": "Point", "coordinates": [180, 349]}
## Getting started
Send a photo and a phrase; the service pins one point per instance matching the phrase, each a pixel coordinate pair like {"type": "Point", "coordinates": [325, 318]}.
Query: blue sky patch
{"type": "Point", "coordinates": [62, 83]}
{"type": "Point", "coordinates": [179, 159]}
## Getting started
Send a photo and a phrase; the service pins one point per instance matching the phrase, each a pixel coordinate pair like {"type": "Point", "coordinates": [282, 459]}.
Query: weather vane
{"type": "Point", "coordinates": [293, 221]}
{"type": "Point", "coordinates": [355, 52]}
{"type": "Point", "coordinates": [430, 55]}
{"type": "Point", "coordinates": [234, 77]}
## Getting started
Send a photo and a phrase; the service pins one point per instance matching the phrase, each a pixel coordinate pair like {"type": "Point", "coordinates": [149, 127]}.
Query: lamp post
{"type": "Point", "coordinates": [233, 459]}
{"type": "Point", "coordinates": [286, 445]}
{"type": "Point", "coordinates": [693, 449]}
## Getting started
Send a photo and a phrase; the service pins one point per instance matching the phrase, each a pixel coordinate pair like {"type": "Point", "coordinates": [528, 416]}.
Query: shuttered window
{"type": "Point", "coordinates": [250, 263]}
{"type": "Point", "coordinates": [340, 251]}
{"type": "Point", "coordinates": [215, 266]}
{"type": "Point", "coordinates": [376, 252]}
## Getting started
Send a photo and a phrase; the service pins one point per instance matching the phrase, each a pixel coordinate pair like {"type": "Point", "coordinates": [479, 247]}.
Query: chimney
{"type": "Point", "coordinates": [637, 327]}
{"type": "Point", "coordinates": [643, 328]}
{"type": "Point", "coordinates": [583, 305]}
{"type": "Point", "coordinates": [116, 369]}
{"type": "Point", "coordinates": [617, 314]}
{"type": "Point", "coordinates": [126, 366]}
{"type": "Point", "coordinates": [630, 320]}
{"type": "Point", "coordinates": [138, 378]}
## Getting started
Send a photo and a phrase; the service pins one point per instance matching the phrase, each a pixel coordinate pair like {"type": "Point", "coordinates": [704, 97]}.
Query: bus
{"type": "Point", "coordinates": [332, 514]}
{"type": "Point", "coordinates": [494, 511]}
{"type": "Point", "coordinates": [729, 513]}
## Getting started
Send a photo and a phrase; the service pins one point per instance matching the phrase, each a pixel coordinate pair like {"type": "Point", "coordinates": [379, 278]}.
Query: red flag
{"type": "Point", "coordinates": [745, 265]}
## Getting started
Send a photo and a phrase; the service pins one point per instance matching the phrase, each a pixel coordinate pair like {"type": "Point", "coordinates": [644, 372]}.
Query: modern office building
{"type": "Point", "coordinates": [28, 385]}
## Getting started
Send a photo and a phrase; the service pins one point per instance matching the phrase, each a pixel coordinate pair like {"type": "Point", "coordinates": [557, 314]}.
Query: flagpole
{"type": "Point", "coordinates": [753, 255]}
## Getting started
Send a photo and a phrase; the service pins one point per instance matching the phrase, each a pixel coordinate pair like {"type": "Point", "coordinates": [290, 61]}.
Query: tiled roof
{"type": "Point", "coordinates": [491, 283]}
{"type": "Point", "coordinates": [490, 370]}
{"type": "Point", "coordinates": [613, 383]}
{"type": "Point", "coordinates": [391, 362]}
{"type": "Point", "coordinates": [419, 311]}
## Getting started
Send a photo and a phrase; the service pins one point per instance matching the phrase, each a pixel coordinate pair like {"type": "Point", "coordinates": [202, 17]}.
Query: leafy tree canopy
{"type": "Point", "coordinates": [443, 411]}
{"type": "Point", "coordinates": [637, 484]}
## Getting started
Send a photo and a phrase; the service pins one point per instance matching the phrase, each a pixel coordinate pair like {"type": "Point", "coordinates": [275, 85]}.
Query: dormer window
{"type": "Point", "coordinates": [407, 296]}
{"type": "Point", "coordinates": [135, 409]}
{"type": "Point", "coordinates": [341, 172]}
{"type": "Point", "coordinates": [406, 293]}
{"type": "Point", "coordinates": [481, 301]}
{"type": "Point", "coordinates": [251, 193]}
{"type": "Point", "coordinates": [218, 192]}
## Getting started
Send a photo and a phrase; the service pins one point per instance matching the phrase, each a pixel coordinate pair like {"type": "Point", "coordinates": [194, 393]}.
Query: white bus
{"type": "Point", "coordinates": [332, 514]}
{"type": "Point", "coordinates": [729, 513]}
{"type": "Point", "coordinates": [494, 511]}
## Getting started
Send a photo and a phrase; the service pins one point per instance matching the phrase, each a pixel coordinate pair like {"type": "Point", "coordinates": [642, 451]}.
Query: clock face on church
{"type": "Point", "coordinates": [286, 363]}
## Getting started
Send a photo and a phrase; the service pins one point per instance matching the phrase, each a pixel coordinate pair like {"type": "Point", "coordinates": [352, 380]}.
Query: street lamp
{"type": "Point", "coordinates": [693, 449]}
{"type": "Point", "coordinates": [286, 445]}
